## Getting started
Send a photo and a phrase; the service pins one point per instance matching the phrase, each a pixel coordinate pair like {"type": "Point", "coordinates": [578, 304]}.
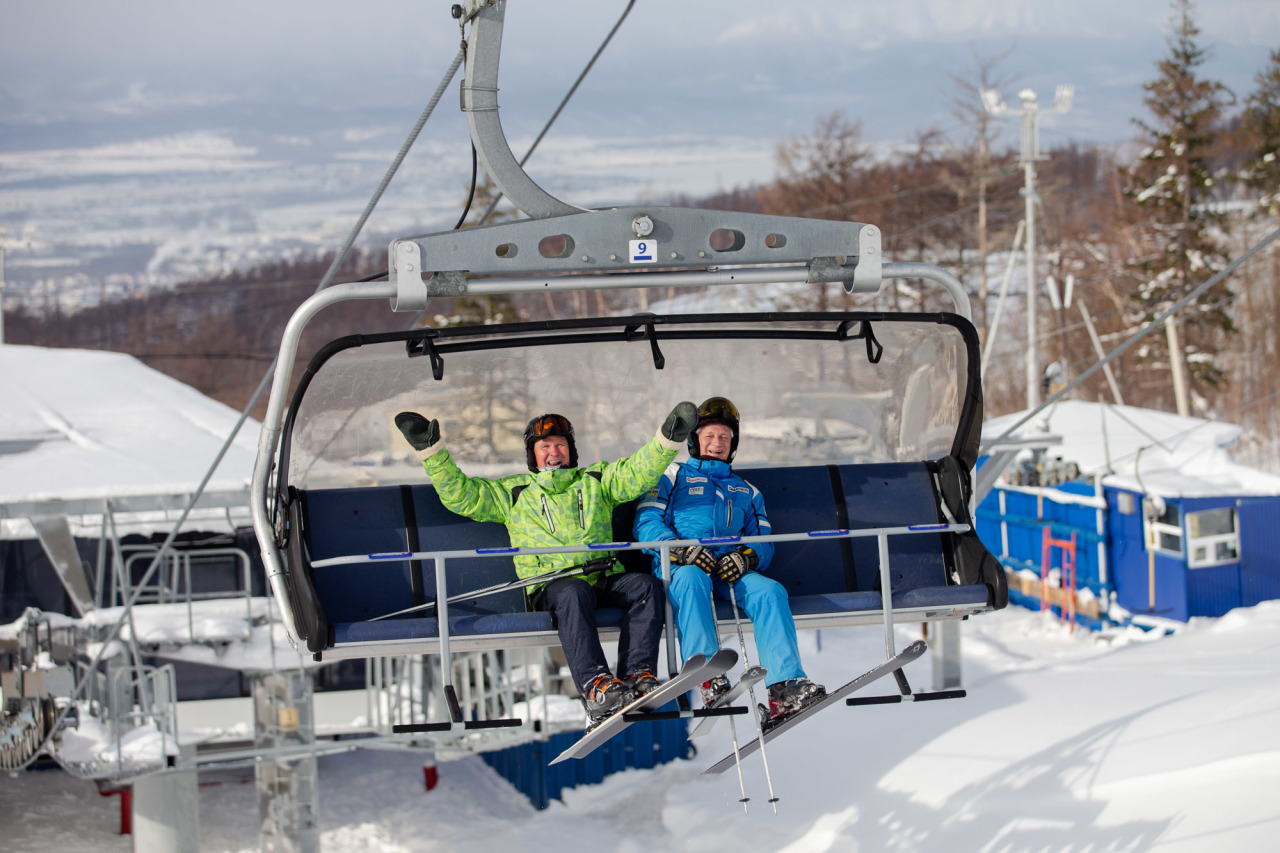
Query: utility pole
{"type": "Point", "coordinates": [1030, 111]}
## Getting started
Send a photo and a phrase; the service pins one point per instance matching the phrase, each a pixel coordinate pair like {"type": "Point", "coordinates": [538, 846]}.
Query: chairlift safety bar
{"type": "Point", "coordinates": [637, 546]}
{"type": "Point", "coordinates": [441, 559]}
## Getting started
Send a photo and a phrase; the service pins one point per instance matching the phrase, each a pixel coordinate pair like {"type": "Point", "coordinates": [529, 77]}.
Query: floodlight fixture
{"type": "Point", "coordinates": [993, 103]}
{"type": "Point", "coordinates": [1062, 98]}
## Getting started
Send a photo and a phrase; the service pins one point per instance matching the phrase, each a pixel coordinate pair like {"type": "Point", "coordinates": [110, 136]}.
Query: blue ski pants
{"type": "Point", "coordinates": [573, 603]}
{"type": "Point", "coordinates": [763, 599]}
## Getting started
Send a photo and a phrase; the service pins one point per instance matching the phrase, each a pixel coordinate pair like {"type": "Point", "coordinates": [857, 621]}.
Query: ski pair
{"type": "Point", "coordinates": [750, 677]}
{"type": "Point", "coordinates": [695, 671]}
{"type": "Point", "coordinates": [892, 665]}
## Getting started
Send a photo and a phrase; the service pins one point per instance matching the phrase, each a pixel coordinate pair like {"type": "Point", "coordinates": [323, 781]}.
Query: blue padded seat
{"type": "Point", "coordinates": [823, 576]}
{"type": "Point", "coordinates": [459, 626]}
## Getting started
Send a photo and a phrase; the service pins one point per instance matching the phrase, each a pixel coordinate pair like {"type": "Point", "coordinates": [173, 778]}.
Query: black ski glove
{"type": "Point", "coordinates": [681, 421]}
{"type": "Point", "coordinates": [420, 432]}
{"type": "Point", "coordinates": [736, 563]}
{"type": "Point", "coordinates": [695, 555]}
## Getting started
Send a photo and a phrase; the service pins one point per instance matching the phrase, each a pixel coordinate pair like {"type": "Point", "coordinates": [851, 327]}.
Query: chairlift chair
{"type": "Point", "coordinates": [860, 428]}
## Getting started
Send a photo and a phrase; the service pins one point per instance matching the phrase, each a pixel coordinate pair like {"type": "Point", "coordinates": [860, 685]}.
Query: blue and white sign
{"type": "Point", "coordinates": [644, 252]}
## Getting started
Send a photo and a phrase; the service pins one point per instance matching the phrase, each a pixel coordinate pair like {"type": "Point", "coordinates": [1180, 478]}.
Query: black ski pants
{"type": "Point", "coordinates": [573, 602]}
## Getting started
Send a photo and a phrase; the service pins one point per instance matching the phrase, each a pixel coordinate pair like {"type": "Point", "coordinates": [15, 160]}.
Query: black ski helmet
{"type": "Point", "coordinates": [715, 410]}
{"type": "Point", "coordinates": [545, 426]}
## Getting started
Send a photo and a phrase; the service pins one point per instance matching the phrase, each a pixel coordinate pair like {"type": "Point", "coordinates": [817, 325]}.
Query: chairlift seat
{"type": "Point", "coordinates": [829, 581]}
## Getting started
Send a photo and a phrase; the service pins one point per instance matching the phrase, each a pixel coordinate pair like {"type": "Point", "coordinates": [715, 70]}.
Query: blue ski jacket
{"type": "Point", "coordinates": [702, 498]}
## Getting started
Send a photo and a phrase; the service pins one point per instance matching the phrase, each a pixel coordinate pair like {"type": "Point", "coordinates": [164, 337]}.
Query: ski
{"type": "Point", "coordinates": [696, 670]}
{"type": "Point", "coordinates": [748, 680]}
{"type": "Point", "coordinates": [894, 664]}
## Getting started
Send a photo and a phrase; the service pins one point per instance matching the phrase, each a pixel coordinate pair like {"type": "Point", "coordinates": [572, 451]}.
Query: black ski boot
{"type": "Point", "coordinates": [787, 697]}
{"type": "Point", "coordinates": [641, 682]}
{"type": "Point", "coordinates": [712, 690]}
{"type": "Point", "coordinates": [605, 697]}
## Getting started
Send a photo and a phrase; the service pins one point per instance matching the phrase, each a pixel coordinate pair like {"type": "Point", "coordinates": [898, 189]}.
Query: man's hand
{"type": "Point", "coordinates": [681, 421]}
{"type": "Point", "coordinates": [420, 432]}
{"type": "Point", "coordinates": [736, 563]}
{"type": "Point", "coordinates": [695, 555]}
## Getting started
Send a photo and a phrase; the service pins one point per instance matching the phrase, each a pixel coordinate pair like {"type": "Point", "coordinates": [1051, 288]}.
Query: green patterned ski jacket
{"type": "Point", "coordinates": [567, 506]}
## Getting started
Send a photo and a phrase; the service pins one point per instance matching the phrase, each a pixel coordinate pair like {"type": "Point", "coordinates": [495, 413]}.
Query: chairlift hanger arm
{"type": "Point", "coordinates": [480, 103]}
{"type": "Point", "coordinates": [683, 247]}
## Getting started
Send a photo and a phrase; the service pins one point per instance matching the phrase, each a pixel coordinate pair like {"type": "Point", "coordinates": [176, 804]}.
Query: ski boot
{"type": "Point", "coordinates": [712, 690]}
{"type": "Point", "coordinates": [605, 697]}
{"type": "Point", "coordinates": [788, 697]}
{"type": "Point", "coordinates": [641, 682]}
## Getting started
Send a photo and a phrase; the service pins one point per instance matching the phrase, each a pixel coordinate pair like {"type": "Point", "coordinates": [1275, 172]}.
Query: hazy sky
{"type": "Point", "coordinates": [672, 57]}
{"type": "Point", "coordinates": [144, 34]}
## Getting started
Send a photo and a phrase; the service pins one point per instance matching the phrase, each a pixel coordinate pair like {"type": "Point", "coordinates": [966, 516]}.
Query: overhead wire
{"type": "Point", "coordinates": [471, 195]}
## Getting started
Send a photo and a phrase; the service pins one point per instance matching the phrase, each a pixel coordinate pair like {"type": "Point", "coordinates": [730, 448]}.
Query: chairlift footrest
{"type": "Point", "coordinates": [504, 723]}
{"type": "Point", "coordinates": [914, 697]}
{"type": "Point", "coordinates": [414, 728]}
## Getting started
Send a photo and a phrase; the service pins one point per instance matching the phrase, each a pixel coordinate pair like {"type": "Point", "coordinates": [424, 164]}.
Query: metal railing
{"type": "Point", "coordinates": [172, 582]}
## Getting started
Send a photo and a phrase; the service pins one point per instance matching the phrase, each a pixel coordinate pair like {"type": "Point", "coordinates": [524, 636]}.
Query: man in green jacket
{"type": "Point", "coordinates": [559, 504]}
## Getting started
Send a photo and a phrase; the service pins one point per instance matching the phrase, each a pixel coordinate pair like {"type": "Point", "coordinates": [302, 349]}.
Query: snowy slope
{"type": "Point", "coordinates": [1067, 742]}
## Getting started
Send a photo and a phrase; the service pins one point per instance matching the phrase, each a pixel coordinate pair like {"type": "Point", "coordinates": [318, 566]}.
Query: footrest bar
{"type": "Point", "coordinates": [914, 697]}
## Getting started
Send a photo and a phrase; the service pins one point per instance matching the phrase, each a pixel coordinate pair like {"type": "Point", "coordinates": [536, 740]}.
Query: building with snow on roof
{"type": "Point", "coordinates": [1116, 514]}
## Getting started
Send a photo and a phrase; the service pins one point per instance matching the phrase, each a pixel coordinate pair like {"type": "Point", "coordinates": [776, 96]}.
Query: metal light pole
{"type": "Point", "coordinates": [1030, 111]}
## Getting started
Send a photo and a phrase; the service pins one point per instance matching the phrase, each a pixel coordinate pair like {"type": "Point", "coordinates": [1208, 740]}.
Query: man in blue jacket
{"type": "Point", "coordinates": [702, 498]}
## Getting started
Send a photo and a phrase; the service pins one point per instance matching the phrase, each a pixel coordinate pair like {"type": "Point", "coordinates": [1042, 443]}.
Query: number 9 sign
{"type": "Point", "coordinates": [643, 252]}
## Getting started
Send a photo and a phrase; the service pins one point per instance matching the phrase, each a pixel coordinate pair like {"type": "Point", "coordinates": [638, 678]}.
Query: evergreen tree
{"type": "Point", "coordinates": [1262, 127]}
{"type": "Point", "coordinates": [1171, 185]}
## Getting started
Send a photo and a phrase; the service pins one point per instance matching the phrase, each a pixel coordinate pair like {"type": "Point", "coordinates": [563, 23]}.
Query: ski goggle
{"type": "Point", "coordinates": [718, 409]}
{"type": "Point", "coordinates": [548, 425]}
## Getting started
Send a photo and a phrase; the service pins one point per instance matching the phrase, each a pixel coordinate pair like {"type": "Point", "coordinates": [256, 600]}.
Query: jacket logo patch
{"type": "Point", "coordinates": [738, 489]}
{"type": "Point", "coordinates": [695, 490]}
{"type": "Point", "coordinates": [695, 479]}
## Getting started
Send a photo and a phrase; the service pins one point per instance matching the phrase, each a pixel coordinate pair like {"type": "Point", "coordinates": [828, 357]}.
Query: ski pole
{"type": "Point", "coordinates": [733, 726]}
{"type": "Point", "coordinates": [746, 662]}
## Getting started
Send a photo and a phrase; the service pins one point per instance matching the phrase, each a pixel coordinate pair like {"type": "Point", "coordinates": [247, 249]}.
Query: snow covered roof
{"type": "Point", "coordinates": [1143, 449]}
{"type": "Point", "coordinates": [82, 425]}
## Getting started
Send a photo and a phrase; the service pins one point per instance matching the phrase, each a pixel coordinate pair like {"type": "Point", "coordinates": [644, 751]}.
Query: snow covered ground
{"type": "Point", "coordinates": [1067, 742]}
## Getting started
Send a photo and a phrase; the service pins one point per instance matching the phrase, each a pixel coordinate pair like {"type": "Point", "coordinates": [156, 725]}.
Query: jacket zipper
{"type": "Point", "coordinates": [582, 521]}
{"type": "Point", "coordinates": [546, 512]}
